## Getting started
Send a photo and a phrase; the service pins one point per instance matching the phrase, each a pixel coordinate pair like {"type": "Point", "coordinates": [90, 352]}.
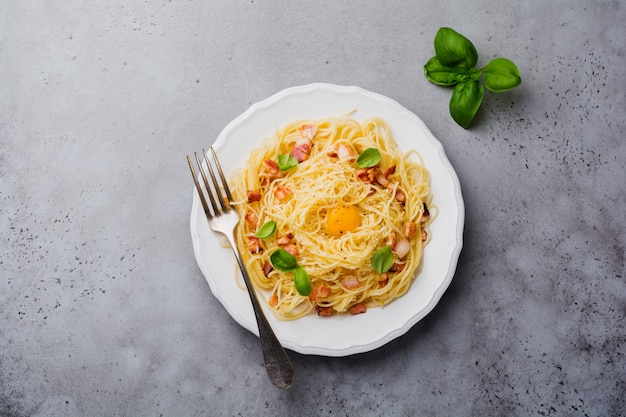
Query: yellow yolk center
{"type": "Point", "coordinates": [341, 219]}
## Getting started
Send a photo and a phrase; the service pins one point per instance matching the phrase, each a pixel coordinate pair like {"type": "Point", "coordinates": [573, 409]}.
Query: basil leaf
{"type": "Point", "coordinates": [302, 282]}
{"type": "Point", "coordinates": [465, 101]}
{"type": "Point", "coordinates": [439, 74]}
{"type": "Point", "coordinates": [286, 162]}
{"type": "Point", "coordinates": [368, 158]}
{"type": "Point", "coordinates": [382, 259]}
{"type": "Point", "coordinates": [266, 230]}
{"type": "Point", "coordinates": [501, 75]}
{"type": "Point", "coordinates": [283, 260]}
{"type": "Point", "coordinates": [454, 50]}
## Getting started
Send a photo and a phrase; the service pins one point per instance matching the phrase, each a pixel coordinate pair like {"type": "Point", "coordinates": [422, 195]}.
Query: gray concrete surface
{"type": "Point", "coordinates": [103, 310]}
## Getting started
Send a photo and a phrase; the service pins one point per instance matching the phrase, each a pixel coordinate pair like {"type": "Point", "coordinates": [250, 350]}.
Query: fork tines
{"type": "Point", "coordinates": [219, 203]}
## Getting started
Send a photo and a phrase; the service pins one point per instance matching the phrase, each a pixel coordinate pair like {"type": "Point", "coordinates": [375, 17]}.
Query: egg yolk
{"type": "Point", "coordinates": [341, 219]}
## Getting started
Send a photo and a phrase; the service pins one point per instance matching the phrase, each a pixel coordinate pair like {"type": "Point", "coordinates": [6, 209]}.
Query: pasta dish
{"type": "Point", "coordinates": [334, 218]}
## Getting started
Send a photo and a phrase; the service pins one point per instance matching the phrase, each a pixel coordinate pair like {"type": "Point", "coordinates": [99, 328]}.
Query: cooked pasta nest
{"type": "Point", "coordinates": [391, 199]}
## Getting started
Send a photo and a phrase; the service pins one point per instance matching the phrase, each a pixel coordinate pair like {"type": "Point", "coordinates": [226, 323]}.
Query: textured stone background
{"type": "Point", "coordinates": [103, 310]}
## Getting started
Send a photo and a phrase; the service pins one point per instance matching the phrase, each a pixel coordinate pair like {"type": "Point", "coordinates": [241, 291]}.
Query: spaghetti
{"type": "Point", "coordinates": [332, 210]}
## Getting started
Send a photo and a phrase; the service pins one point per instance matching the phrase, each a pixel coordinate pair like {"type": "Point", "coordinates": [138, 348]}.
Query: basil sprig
{"type": "Point", "coordinates": [454, 65]}
{"type": "Point", "coordinates": [283, 260]}
{"type": "Point", "coordinates": [382, 259]}
{"type": "Point", "coordinates": [286, 262]}
{"type": "Point", "coordinates": [302, 282]}
{"type": "Point", "coordinates": [286, 162]}
{"type": "Point", "coordinates": [266, 230]}
{"type": "Point", "coordinates": [370, 157]}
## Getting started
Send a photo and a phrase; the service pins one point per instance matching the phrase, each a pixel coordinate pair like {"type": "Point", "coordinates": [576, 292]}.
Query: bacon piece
{"type": "Point", "coordinates": [391, 239]}
{"type": "Point", "coordinates": [284, 239]}
{"type": "Point", "coordinates": [424, 235]}
{"type": "Point", "coordinates": [292, 249]}
{"type": "Point", "coordinates": [252, 219]}
{"type": "Point", "coordinates": [254, 195]}
{"type": "Point", "coordinates": [410, 228]}
{"type": "Point", "coordinates": [267, 268]}
{"type": "Point", "coordinates": [397, 267]}
{"type": "Point", "coordinates": [254, 244]}
{"type": "Point", "coordinates": [273, 301]}
{"type": "Point", "coordinates": [350, 281]}
{"type": "Point", "coordinates": [345, 152]}
{"type": "Point", "coordinates": [382, 180]}
{"type": "Point", "coordinates": [319, 291]}
{"type": "Point", "coordinates": [383, 281]}
{"type": "Point", "coordinates": [400, 196]}
{"type": "Point", "coordinates": [366, 175]}
{"type": "Point", "coordinates": [324, 311]}
{"type": "Point", "coordinates": [302, 149]}
{"type": "Point", "coordinates": [358, 308]}
{"type": "Point", "coordinates": [389, 171]}
{"type": "Point", "coordinates": [271, 168]}
{"type": "Point", "coordinates": [402, 248]}
{"type": "Point", "coordinates": [282, 193]}
{"type": "Point", "coordinates": [426, 213]}
{"type": "Point", "coordinates": [308, 131]}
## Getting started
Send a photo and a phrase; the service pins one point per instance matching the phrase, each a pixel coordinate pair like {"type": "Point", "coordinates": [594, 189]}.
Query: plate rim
{"type": "Point", "coordinates": [454, 255]}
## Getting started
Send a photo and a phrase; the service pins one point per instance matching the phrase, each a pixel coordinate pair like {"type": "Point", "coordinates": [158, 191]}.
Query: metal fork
{"type": "Point", "coordinates": [223, 218]}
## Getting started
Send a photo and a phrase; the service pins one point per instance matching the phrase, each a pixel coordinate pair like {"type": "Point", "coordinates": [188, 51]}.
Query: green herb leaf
{"type": "Point", "coordinates": [283, 260]}
{"type": "Point", "coordinates": [266, 230]}
{"type": "Point", "coordinates": [465, 101]}
{"type": "Point", "coordinates": [439, 74]}
{"type": "Point", "coordinates": [369, 157]}
{"type": "Point", "coordinates": [302, 282]}
{"type": "Point", "coordinates": [454, 50]}
{"type": "Point", "coordinates": [286, 162]}
{"type": "Point", "coordinates": [462, 74]}
{"type": "Point", "coordinates": [501, 75]}
{"type": "Point", "coordinates": [382, 259]}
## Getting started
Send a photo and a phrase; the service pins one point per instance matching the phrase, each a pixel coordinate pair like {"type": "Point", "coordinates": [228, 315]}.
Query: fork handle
{"type": "Point", "coordinates": [277, 363]}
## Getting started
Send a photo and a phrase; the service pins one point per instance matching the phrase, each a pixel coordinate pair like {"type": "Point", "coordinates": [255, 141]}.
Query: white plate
{"type": "Point", "coordinates": [338, 335]}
